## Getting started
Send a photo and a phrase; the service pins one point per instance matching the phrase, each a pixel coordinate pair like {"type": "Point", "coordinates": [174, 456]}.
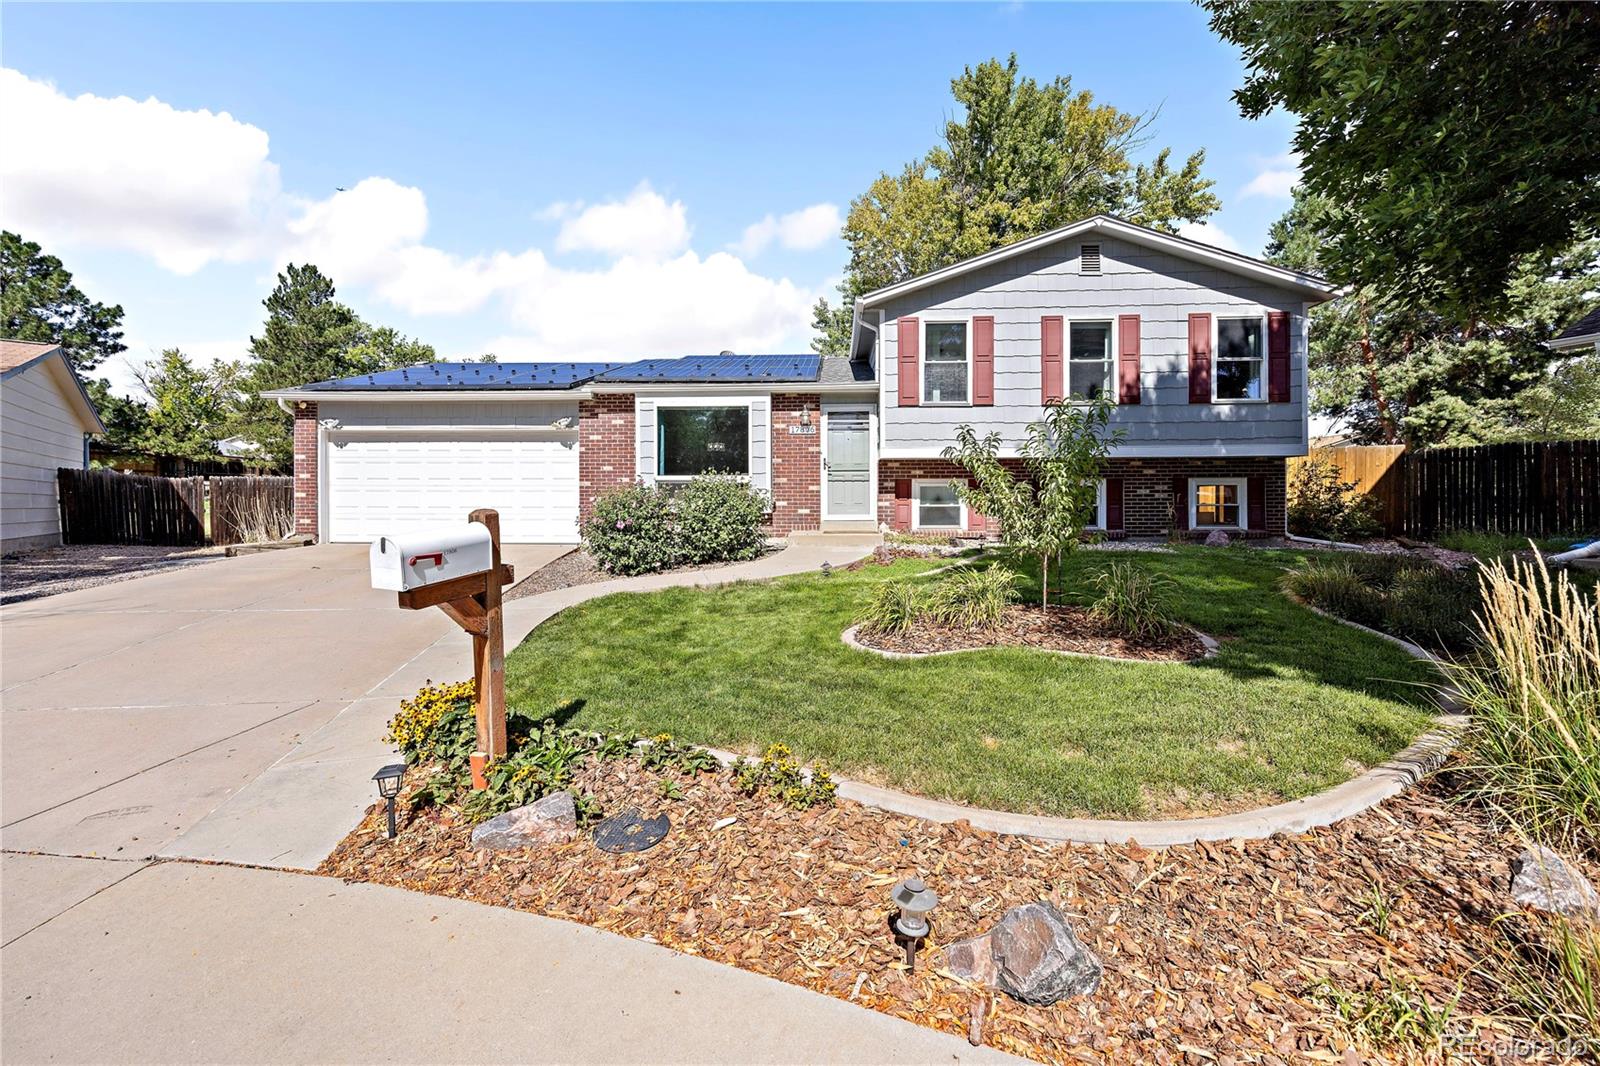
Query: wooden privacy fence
{"type": "Point", "coordinates": [1535, 488]}
{"type": "Point", "coordinates": [106, 507]}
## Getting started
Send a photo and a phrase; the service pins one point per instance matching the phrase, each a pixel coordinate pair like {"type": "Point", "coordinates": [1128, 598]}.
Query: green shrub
{"type": "Point", "coordinates": [1434, 606]}
{"type": "Point", "coordinates": [1133, 602]}
{"type": "Point", "coordinates": [1321, 504]}
{"type": "Point", "coordinates": [971, 598]}
{"type": "Point", "coordinates": [631, 531]}
{"type": "Point", "coordinates": [1533, 694]}
{"type": "Point", "coordinates": [1546, 972]}
{"type": "Point", "coordinates": [718, 520]}
{"type": "Point", "coordinates": [1381, 570]}
{"type": "Point", "coordinates": [1336, 588]}
{"type": "Point", "coordinates": [892, 608]}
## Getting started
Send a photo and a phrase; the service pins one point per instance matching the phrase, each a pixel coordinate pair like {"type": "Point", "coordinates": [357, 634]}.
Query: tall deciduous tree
{"type": "Point", "coordinates": [123, 417]}
{"type": "Point", "coordinates": [1452, 142]}
{"type": "Point", "coordinates": [39, 302]}
{"type": "Point", "coordinates": [1021, 159]}
{"type": "Point", "coordinates": [190, 406]}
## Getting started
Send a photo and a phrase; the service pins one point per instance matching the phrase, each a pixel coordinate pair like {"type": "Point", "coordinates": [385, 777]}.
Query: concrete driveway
{"type": "Point", "coordinates": [131, 712]}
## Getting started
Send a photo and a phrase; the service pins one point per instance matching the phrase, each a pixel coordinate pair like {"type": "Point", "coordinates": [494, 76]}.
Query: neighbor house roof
{"type": "Point", "coordinates": [16, 357]}
{"type": "Point", "coordinates": [443, 380]}
{"type": "Point", "coordinates": [1584, 333]}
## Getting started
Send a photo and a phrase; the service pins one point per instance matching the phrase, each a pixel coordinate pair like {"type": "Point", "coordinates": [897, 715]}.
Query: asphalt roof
{"type": "Point", "coordinates": [1586, 326]}
{"type": "Point", "coordinates": [687, 370]}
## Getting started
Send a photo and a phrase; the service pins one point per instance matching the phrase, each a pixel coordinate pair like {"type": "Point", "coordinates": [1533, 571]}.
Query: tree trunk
{"type": "Point", "coordinates": [1044, 581]}
{"type": "Point", "coordinates": [1370, 360]}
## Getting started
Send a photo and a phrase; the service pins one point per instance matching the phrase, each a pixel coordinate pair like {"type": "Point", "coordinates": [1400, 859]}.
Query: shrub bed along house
{"type": "Point", "coordinates": [1402, 595]}
{"type": "Point", "coordinates": [640, 529]}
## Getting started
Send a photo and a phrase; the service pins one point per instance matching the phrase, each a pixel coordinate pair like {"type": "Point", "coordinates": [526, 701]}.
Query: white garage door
{"type": "Point", "coordinates": [390, 484]}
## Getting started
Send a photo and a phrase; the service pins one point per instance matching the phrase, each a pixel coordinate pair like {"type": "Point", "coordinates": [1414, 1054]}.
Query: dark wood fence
{"type": "Point", "coordinates": [1536, 489]}
{"type": "Point", "coordinates": [245, 509]}
{"type": "Point", "coordinates": [107, 507]}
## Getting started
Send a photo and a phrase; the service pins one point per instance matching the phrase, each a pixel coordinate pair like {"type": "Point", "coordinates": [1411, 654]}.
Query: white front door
{"type": "Point", "coordinates": [379, 483]}
{"type": "Point", "coordinates": [847, 457]}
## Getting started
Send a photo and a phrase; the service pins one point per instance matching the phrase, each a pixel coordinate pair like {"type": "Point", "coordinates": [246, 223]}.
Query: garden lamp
{"type": "Point", "coordinates": [915, 901]}
{"type": "Point", "coordinates": [827, 569]}
{"type": "Point", "coordinates": [388, 780]}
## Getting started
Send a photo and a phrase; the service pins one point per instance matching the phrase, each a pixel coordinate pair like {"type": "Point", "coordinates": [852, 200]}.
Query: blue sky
{"type": "Point", "coordinates": [542, 181]}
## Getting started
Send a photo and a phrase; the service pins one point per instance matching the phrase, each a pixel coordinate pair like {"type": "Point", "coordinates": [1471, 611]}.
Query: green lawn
{"type": "Point", "coordinates": [1293, 704]}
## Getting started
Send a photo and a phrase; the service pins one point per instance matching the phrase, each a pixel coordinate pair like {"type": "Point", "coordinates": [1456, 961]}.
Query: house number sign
{"type": "Point", "coordinates": [803, 431]}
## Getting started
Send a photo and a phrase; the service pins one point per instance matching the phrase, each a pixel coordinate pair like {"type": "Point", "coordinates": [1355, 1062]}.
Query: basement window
{"type": "Point", "coordinates": [1217, 503]}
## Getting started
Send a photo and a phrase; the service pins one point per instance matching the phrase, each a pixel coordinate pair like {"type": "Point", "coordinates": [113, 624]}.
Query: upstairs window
{"type": "Point", "coordinates": [946, 374]}
{"type": "Point", "coordinates": [702, 440]}
{"type": "Point", "coordinates": [1089, 259]}
{"type": "Point", "coordinates": [1089, 360]}
{"type": "Point", "coordinates": [1240, 347]}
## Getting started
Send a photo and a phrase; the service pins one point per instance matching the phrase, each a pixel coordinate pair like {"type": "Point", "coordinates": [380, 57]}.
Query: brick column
{"type": "Point", "coordinates": [305, 469]}
{"type": "Point", "coordinates": [605, 448]}
{"type": "Point", "coordinates": [796, 464]}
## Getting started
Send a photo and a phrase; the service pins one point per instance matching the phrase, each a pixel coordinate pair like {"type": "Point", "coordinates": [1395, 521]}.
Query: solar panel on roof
{"type": "Point", "coordinates": [719, 368]}
{"type": "Point", "coordinates": [450, 376]}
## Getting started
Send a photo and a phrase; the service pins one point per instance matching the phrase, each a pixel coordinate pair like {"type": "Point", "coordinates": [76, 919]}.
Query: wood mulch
{"type": "Point", "coordinates": [579, 568]}
{"type": "Point", "coordinates": [1061, 628]}
{"type": "Point", "coordinates": [1213, 953]}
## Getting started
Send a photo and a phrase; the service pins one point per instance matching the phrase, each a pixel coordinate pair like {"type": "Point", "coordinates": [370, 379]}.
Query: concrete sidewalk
{"type": "Point", "coordinates": [294, 813]}
{"type": "Point", "coordinates": [184, 963]}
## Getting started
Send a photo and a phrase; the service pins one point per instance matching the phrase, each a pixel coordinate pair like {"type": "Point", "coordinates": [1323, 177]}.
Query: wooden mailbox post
{"type": "Point", "coordinates": [473, 603]}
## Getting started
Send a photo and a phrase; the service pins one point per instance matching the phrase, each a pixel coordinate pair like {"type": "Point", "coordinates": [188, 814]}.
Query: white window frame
{"type": "Point", "coordinates": [1112, 358]}
{"type": "Point", "coordinates": [1243, 485]}
{"type": "Point", "coordinates": [1216, 330]}
{"type": "Point", "coordinates": [704, 401]}
{"type": "Point", "coordinates": [922, 360]}
{"type": "Point", "coordinates": [1099, 509]}
{"type": "Point", "coordinates": [916, 503]}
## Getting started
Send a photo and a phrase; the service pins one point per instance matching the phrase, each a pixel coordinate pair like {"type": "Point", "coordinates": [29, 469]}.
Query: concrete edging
{"type": "Point", "coordinates": [851, 639]}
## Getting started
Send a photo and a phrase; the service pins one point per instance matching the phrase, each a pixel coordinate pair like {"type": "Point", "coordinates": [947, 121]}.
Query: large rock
{"type": "Point", "coordinates": [1031, 955]}
{"type": "Point", "coordinates": [1545, 881]}
{"type": "Point", "coordinates": [551, 820]}
{"type": "Point", "coordinates": [1216, 539]}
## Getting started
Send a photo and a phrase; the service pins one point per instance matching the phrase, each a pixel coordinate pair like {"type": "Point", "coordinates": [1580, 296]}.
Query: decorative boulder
{"type": "Point", "coordinates": [551, 820]}
{"type": "Point", "coordinates": [1545, 881]}
{"type": "Point", "coordinates": [1216, 539]}
{"type": "Point", "coordinates": [1031, 955]}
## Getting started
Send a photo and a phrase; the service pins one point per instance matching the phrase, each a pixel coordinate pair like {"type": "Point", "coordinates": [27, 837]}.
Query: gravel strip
{"type": "Point", "coordinates": [51, 571]}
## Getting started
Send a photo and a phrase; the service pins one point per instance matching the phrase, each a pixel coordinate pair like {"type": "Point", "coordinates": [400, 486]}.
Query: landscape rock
{"type": "Point", "coordinates": [1216, 539]}
{"type": "Point", "coordinates": [551, 820]}
{"type": "Point", "coordinates": [1545, 881]}
{"type": "Point", "coordinates": [1038, 957]}
{"type": "Point", "coordinates": [972, 960]}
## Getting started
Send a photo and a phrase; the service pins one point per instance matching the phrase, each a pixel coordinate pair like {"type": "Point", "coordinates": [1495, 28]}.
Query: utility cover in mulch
{"type": "Point", "coordinates": [1060, 628]}
{"type": "Point", "coordinates": [1212, 952]}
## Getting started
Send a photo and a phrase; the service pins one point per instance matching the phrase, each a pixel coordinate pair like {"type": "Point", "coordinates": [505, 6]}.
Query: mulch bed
{"type": "Point", "coordinates": [579, 568]}
{"type": "Point", "coordinates": [1060, 628]}
{"type": "Point", "coordinates": [1212, 952]}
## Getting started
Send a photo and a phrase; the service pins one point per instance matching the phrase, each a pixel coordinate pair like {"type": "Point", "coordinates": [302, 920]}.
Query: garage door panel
{"type": "Point", "coordinates": [394, 484]}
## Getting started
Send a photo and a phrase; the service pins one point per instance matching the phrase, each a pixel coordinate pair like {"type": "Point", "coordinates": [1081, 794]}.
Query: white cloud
{"type": "Point", "coordinates": [183, 187]}
{"type": "Point", "coordinates": [1208, 233]}
{"type": "Point", "coordinates": [1276, 179]}
{"type": "Point", "coordinates": [643, 224]}
{"type": "Point", "coordinates": [802, 230]}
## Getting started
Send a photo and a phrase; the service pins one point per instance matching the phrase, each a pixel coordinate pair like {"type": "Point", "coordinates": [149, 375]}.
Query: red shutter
{"type": "Point", "coordinates": [906, 356]}
{"type": "Point", "coordinates": [1199, 358]}
{"type": "Point", "coordinates": [902, 503]}
{"type": "Point", "coordinates": [1128, 358]}
{"type": "Point", "coordinates": [1255, 503]}
{"type": "Point", "coordinates": [1180, 503]}
{"type": "Point", "coordinates": [1114, 521]}
{"type": "Point", "coordinates": [1050, 337]}
{"type": "Point", "coordinates": [1278, 356]}
{"type": "Point", "coordinates": [976, 522]}
{"type": "Point", "coordinates": [983, 361]}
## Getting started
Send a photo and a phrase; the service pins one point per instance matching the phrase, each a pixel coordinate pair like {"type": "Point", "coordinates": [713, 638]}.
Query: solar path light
{"type": "Point", "coordinates": [914, 901]}
{"type": "Point", "coordinates": [388, 780]}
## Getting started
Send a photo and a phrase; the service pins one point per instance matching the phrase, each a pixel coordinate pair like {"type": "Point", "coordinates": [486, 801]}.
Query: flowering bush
{"type": "Point", "coordinates": [631, 531]}
{"type": "Point", "coordinates": [719, 520]}
{"type": "Point", "coordinates": [415, 730]}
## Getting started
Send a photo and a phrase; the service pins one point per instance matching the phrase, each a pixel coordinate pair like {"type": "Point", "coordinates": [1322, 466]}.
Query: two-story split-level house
{"type": "Point", "coordinates": [1203, 351]}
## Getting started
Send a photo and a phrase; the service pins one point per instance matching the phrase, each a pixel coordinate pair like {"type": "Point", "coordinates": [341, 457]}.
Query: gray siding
{"type": "Point", "coordinates": [1162, 289]}
{"type": "Point", "coordinates": [39, 433]}
{"type": "Point", "coordinates": [465, 415]}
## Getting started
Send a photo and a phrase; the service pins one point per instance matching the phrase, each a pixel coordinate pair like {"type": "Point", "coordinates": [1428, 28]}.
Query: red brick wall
{"type": "Point", "coordinates": [796, 464]}
{"type": "Point", "coordinates": [305, 468]}
{"type": "Point", "coordinates": [605, 448]}
{"type": "Point", "coordinates": [1146, 486]}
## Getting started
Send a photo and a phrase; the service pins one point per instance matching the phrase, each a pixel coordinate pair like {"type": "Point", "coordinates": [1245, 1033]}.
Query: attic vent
{"type": "Point", "coordinates": [1089, 259]}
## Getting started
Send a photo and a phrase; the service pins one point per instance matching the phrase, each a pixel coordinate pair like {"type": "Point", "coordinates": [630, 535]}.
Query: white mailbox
{"type": "Point", "coordinates": [430, 556]}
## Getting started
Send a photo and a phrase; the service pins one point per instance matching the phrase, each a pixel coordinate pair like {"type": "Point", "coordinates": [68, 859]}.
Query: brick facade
{"type": "Point", "coordinates": [305, 469]}
{"type": "Point", "coordinates": [796, 464]}
{"type": "Point", "coordinates": [1147, 496]}
{"type": "Point", "coordinates": [605, 448]}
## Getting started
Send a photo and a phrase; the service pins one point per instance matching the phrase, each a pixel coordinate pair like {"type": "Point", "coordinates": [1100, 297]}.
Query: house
{"type": "Point", "coordinates": [1580, 338]}
{"type": "Point", "coordinates": [1203, 350]}
{"type": "Point", "coordinates": [46, 420]}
